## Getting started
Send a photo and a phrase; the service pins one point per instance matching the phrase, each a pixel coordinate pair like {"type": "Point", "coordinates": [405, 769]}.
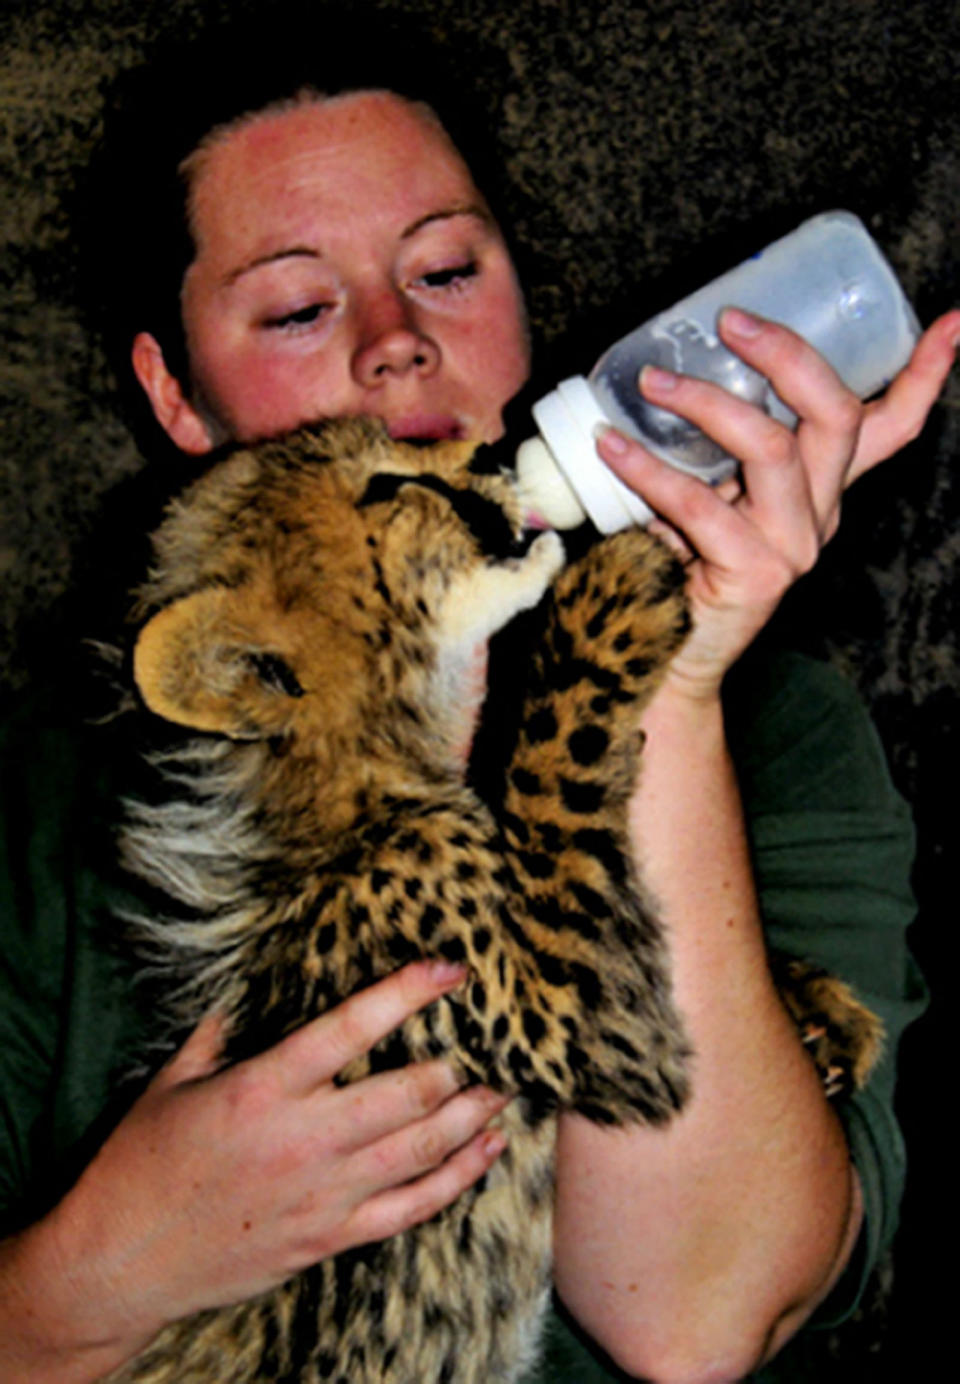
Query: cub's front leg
{"type": "Point", "coordinates": [616, 618]}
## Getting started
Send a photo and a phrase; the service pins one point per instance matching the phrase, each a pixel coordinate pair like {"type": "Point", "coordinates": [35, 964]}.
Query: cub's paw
{"type": "Point", "coordinates": [843, 1037]}
{"type": "Point", "coordinates": [623, 607]}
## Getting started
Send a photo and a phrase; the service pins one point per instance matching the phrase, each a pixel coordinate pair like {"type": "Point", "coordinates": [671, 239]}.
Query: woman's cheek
{"type": "Point", "coordinates": [257, 398]}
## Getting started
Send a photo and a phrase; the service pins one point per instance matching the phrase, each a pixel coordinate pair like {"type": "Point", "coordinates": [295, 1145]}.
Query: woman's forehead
{"type": "Point", "coordinates": [371, 146]}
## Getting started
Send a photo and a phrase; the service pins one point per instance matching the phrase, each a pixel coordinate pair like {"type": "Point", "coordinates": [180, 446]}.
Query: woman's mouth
{"type": "Point", "coordinates": [425, 427]}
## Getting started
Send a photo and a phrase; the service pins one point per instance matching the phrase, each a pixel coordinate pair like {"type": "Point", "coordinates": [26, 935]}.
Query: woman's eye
{"type": "Point", "coordinates": [447, 278]}
{"type": "Point", "coordinates": [301, 317]}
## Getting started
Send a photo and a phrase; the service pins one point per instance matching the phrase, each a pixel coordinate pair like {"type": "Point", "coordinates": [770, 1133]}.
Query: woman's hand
{"type": "Point", "coordinates": [221, 1183]}
{"type": "Point", "coordinates": [749, 539]}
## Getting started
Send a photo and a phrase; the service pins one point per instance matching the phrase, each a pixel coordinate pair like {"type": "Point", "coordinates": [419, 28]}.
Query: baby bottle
{"type": "Point", "coordinates": [827, 280]}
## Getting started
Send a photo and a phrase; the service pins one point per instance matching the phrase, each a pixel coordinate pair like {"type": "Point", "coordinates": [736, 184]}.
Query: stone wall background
{"type": "Point", "coordinates": [648, 145]}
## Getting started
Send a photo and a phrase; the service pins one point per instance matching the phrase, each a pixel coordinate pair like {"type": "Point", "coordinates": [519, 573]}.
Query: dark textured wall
{"type": "Point", "coordinates": [647, 145]}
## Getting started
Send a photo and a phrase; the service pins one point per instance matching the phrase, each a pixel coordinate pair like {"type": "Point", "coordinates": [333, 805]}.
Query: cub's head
{"type": "Point", "coordinates": [296, 584]}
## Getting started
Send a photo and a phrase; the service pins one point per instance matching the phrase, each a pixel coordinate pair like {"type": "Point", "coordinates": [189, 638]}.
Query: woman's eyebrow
{"type": "Point", "coordinates": [289, 252]}
{"type": "Point", "coordinates": [476, 209]}
{"type": "Point", "coordinates": [460, 209]}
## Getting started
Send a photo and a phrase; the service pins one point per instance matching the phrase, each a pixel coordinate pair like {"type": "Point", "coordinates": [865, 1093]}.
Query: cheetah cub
{"type": "Point", "coordinates": [314, 623]}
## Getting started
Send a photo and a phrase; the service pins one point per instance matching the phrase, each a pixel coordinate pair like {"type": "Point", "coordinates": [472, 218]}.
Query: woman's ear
{"type": "Point", "coordinates": [173, 411]}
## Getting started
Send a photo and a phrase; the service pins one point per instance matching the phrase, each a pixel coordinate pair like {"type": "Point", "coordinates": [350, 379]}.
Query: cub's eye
{"type": "Point", "coordinates": [302, 317]}
{"type": "Point", "coordinates": [448, 278]}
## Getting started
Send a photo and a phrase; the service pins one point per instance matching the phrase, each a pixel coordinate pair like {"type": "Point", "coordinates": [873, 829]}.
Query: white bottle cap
{"type": "Point", "coordinates": [568, 418]}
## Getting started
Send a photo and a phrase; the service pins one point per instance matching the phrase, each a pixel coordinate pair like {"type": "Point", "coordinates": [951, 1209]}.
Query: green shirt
{"type": "Point", "coordinates": [832, 846]}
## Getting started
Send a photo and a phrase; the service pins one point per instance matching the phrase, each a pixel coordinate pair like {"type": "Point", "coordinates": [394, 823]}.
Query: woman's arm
{"type": "Point", "coordinates": [701, 1247]}
{"type": "Point", "coordinates": [693, 1253]}
{"type": "Point", "coordinates": [220, 1184]}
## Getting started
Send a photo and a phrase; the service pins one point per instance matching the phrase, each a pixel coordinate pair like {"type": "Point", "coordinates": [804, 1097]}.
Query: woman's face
{"type": "Point", "coordinates": [345, 264]}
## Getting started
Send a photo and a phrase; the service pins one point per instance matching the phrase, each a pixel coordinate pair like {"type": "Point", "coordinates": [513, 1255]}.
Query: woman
{"type": "Point", "coordinates": [341, 259]}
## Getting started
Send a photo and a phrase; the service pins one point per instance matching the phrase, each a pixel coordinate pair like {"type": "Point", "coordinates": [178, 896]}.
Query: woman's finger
{"type": "Point", "coordinates": [379, 1105]}
{"type": "Point", "coordinates": [773, 475]}
{"type": "Point", "coordinates": [401, 1207]}
{"type": "Point", "coordinates": [898, 417]}
{"type": "Point", "coordinates": [315, 1053]}
{"type": "Point", "coordinates": [799, 374]}
{"type": "Point", "coordinates": [199, 1056]}
{"type": "Point", "coordinates": [714, 530]}
{"type": "Point", "coordinates": [417, 1148]}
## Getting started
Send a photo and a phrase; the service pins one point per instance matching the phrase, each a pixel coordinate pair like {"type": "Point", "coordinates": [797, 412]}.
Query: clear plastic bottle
{"type": "Point", "coordinates": [827, 280]}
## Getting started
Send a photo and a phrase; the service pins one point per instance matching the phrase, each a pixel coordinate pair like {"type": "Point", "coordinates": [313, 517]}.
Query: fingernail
{"type": "Point", "coordinates": [611, 439]}
{"type": "Point", "coordinates": [496, 1100]}
{"type": "Point", "coordinates": [741, 323]}
{"type": "Point", "coordinates": [657, 380]}
{"type": "Point", "coordinates": [447, 972]}
{"type": "Point", "coordinates": [494, 1143]}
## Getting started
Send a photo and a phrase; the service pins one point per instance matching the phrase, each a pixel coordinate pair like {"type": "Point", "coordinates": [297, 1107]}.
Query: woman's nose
{"type": "Point", "coordinates": [391, 344]}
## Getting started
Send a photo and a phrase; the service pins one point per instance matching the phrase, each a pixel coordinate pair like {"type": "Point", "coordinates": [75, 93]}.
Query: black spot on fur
{"type": "Point", "coordinates": [551, 837]}
{"type": "Point", "coordinates": [541, 726]}
{"type": "Point", "coordinates": [639, 667]}
{"type": "Point", "coordinates": [453, 949]}
{"type": "Point", "coordinates": [400, 949]}
{"type": "Point", "coordinates": [598, 622]}
{"type": "Point", "coordinates": [599, 1114]}
{"type": "Point", "coordinates": [603, 846]}
{"type": "Point", "coordinates": [430, 920]}
{"type": "Point", "coordinates": [540, 1101]}
{"type": "Point", "coordinates": [533, 1027]}
{"type": "Point", "coordinates": [587, 744]}
{"type": "Point", "coordinates": [519, 1063]}
{"type": "Point", "coordinates": [582, 797]}
{"type": "Point", "coordinates": [515, 827]}
{"type": "Point", "coordinates": [552, 969]}
{"type": "Point", "coordinates": [553, 914]}
{"type": "Point", "coordinates": [590, 899]}
{"type": "Point", "coordinates": [325, 938]}
{"type": "Point", "coordinates": [525, 782]}
{"type": "Point", "coordinates": [537, 866]}
{"type": "Point", "coordinates": [588, 985]}
{"type": "Point", "coordinates": [670, 578]}
{"type": "Point", "coordinates": [615, 1040]}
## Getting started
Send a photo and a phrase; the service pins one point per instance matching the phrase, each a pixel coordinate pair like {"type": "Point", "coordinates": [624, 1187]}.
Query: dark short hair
{"type": "Point", "coordinates": [139, 242]}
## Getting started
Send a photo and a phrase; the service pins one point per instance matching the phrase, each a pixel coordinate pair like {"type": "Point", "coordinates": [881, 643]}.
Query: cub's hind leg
{"type": "Point", "coordinates": [843, 1037]}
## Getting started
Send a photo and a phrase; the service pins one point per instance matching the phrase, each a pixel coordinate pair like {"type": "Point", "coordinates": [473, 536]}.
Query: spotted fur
{"type": "Point", "coordinates": [318, 611]}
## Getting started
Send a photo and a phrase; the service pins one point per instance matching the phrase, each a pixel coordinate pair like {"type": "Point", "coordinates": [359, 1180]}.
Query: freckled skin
{"type": "Point", "coordinates": [346, 264]}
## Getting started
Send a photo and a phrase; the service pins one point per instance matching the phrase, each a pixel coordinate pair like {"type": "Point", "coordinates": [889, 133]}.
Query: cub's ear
{"type": "Point", "coordinates": [198, 664]}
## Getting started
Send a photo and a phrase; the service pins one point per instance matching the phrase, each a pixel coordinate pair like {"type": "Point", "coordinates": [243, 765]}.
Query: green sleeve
{"type": "Point", "coordinates": [832, 847]}
{"type": "Point", "coordinates": [833, 844]}
{"type": "Point", "coordinates": [66, 1010]}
